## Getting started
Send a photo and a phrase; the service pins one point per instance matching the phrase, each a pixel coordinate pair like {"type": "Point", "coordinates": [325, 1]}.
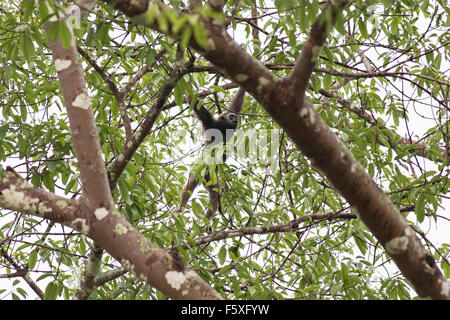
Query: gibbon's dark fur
{"type": "Point", "coordinates": [226, 120]}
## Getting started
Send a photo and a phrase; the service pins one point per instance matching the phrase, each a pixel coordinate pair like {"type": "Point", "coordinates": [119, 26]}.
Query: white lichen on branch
{"type": "Point", "coordinates": [82, 101]}
{"type": "Point", "coordinates": [175, 279]}
{"type": "Point", "coordinates": [101, 213]}
{"type": "Point", "coordinates": [13, 198]}
{"type": "Point", "coordinates": [397, 245]}
{"type": "Point", "coordinates": [81, 225]}
{"type": "Point", "coordinates": [120, 229]}
{"type": "Point", "coordinates": [61, 64]}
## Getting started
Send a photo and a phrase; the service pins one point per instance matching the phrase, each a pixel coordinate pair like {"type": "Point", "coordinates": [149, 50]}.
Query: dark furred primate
{"type": "Point", "coordinates": [216, 130]}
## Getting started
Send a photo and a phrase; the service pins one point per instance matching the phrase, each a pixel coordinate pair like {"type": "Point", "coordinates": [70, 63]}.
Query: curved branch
{"type": "Point", "coordinates": [111, 231]}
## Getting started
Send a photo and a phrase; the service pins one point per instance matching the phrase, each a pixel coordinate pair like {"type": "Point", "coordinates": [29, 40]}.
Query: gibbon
{"type": "Point", "coordinates": [216, 130]}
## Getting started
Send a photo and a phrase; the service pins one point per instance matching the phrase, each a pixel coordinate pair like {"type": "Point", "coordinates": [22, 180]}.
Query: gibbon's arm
{"type": "Point", "coordinates": [238, 100]}
{"type": "Point", "coordinates": [204, 116]}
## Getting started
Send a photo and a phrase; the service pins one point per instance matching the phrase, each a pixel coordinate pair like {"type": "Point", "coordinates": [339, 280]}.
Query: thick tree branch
{"type": "Point", "coordinates": [111, 231]}
{"type": "Point", "coordinates": [327, 153]}
{"type": "Point", "coordinates": [100, 220]}
{"type": "Point", "coordinates": [18, 195]}
{"type": "Point", "coordinates": [96, 192]}
{"type": "Point", "coordinates": [95, 185]}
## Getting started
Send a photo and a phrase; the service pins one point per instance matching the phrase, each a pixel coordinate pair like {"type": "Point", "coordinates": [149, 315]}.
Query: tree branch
{"type": "Point", "coordinates": [314, 139]}
{"type": "Point", "coordinates": [100, 220]}
{"type": "Point", "coordinates": [288, 227]}
{"type": "Point", "coordinates": [92, 267]}
{"type": "Point", "coordinates": [21, 272]}
{"type": "Point", "coordinates": [130, 148]}
{"type": "Point", "coordinates": [304, 66]}
{"type": "Point", "coordinates": [111, 231]}
{"type": "Point", "coordinates": [103, 278]}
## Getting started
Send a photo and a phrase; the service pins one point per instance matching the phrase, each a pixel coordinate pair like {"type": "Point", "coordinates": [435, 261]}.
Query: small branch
{"type": "Point", "coordinates": [112, 86]}
{"type": "Point", "coordinates": [146, 126]}
{"type": "Point", "coordinates": [394, 139]}
{"type": "Point", "coordinates": [92, 267]}
{"type": "Point", "coordinates": [254, 25]}
{"type": "Point", "coordinates": [22, 272]}
{"type": "Point", "coordinates": [291, 226]}
{"type": "Point", "coordinates": [103, 278]}
{"type": "Point", "coordinates": [124, 91]}
{"type": "Point", "coordinates": [369, 68]}
{"type": "Point", "coordinates": [304, 66]}
{"type": "Point", "coordinates": [17, 274]}
{"type": "Point", "coordinates": [203, 94]}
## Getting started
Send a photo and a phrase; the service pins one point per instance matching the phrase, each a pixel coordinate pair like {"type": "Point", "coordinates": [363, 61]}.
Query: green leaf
{"type": "Point", "coordinates": [48, 181]}
{"type": "Point", "coordinates": [248, 210]}
{"type": "Point", "coordinates": [335, 288]}
{"type": "Point", "coordinates": [36, 180]}
{"type": "Point", "coordinates": [162, 22]}
{"type": "Point", "coordinates": [283, 5]}
{"type": "Point", "coordinates": [11, 51]}
{"type": "Point", "coordinates": [82, 246]}
{"type": "Point", "coordinates": [32, 259]}
{"type": "Point", "coordinates": [71, 186]}
{"type": "Point", "coordinates": [22, 292]}
{"type": "Point", "coordinates": [54, 30]}
{"type": "Point", "coordinates": [179, 23]}
{"type": "Point", "coordinates": [445, 268]}
{"type": "Point", "coordinates": [186, 37]}
{"type": "Point", "coordinates": [222, 254]}
{"type": "Point", "coordinates": [344, 270]}
{"type": "Point", "coordinates": [178, 93]}
{"type": "Point", "coordinates": [394, 26]}
{"type": "Point", "coordinates": [27, 6]}
{"type": "Point", "coordinates": [151, 14]}
{"type": "Point", "coordinates": [23, 113]}
{"type": "Point", "coordinates": [340, 23]}
{"type": "Point", "coordinates": [419, 208]}
{"type": "Point", "coordinates": [200, 34]}
{"type": "Point", "coordinates": [43, 11]}
{"type": "Point", "coordinates": [234, 253]}
{"type": "Point", "coordinates": [362, 28]}
{"type": "Point", "coordinates": [360, 244]}
{"type": "Point", "coordinates": [197, 208]}
{"type": "Point", "coordinates": [301, 17]}
{"type": "Point", "coordinates": [51, 291]}
{"type": "Point", "coordinates": [327, 81]}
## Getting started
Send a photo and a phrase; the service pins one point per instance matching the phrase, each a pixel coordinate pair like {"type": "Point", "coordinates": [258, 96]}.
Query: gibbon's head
{"type": "Point", "coordinates": [228, 120]}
